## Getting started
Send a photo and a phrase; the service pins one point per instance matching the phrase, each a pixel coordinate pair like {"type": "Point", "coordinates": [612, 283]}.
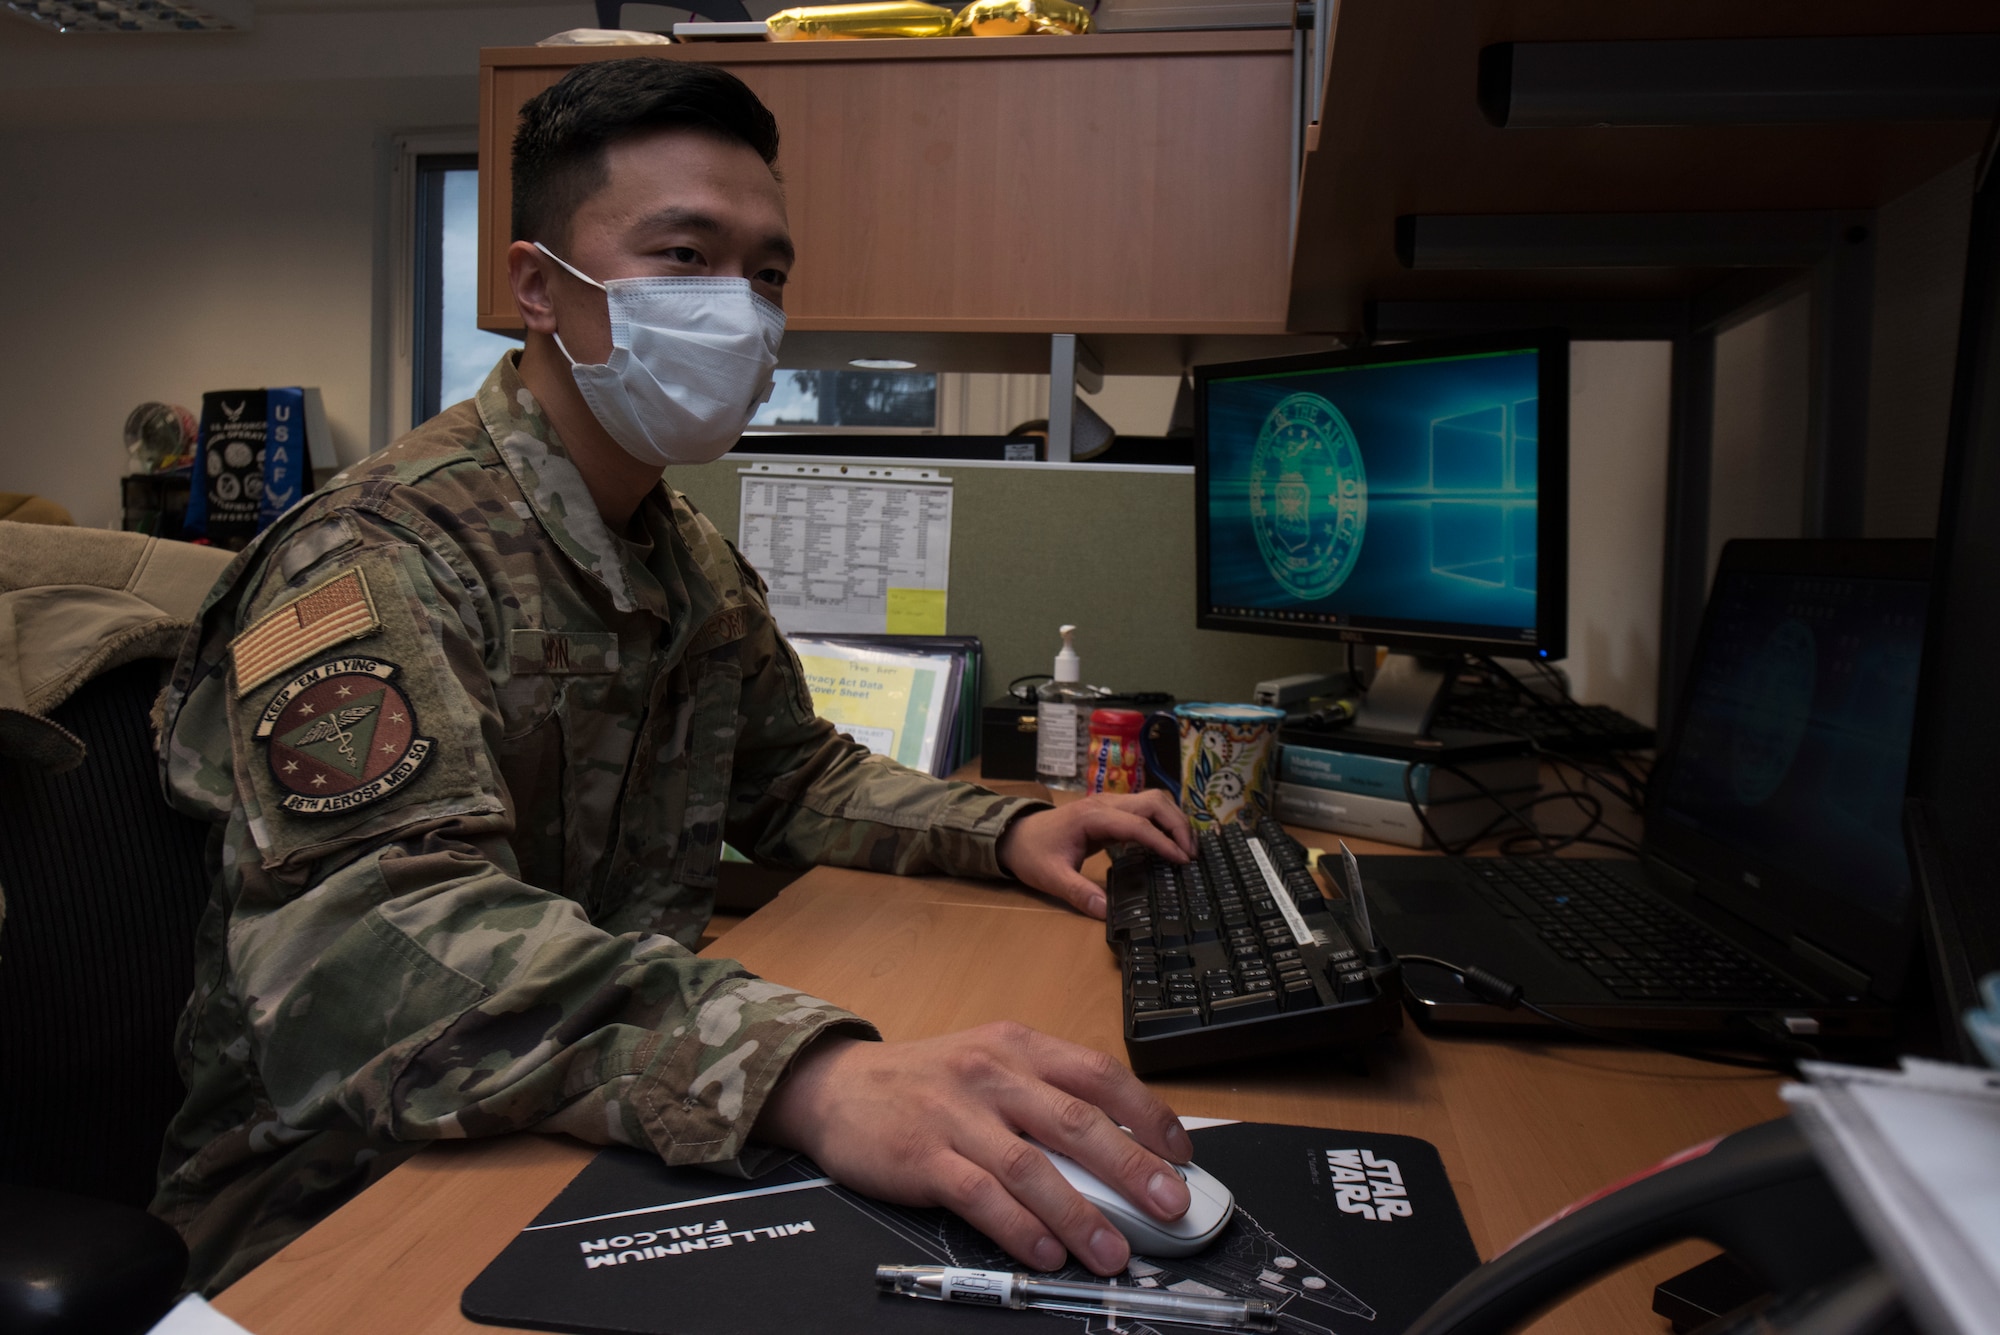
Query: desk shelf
{"type": "Point", "coordinates": [1400, 134]}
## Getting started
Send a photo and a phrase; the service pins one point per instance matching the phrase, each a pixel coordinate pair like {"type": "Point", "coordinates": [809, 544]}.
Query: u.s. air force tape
{"type": "Point", "coordinates": [341, 735]}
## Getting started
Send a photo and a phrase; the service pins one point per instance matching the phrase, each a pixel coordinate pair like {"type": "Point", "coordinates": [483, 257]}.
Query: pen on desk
{"type": "Point", "coordinates": [1002, 1288]}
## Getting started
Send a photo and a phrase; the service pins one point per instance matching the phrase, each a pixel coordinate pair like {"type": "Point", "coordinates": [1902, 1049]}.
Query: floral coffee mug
{"type": "Point", "coordinates": [1223, 770]}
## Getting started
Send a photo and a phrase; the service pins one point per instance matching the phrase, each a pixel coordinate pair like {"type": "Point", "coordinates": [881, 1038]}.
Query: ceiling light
{"type": "Point", "coordinates": [883, 364]}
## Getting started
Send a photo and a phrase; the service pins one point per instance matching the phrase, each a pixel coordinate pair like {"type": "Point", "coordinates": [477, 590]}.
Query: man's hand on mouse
{"type": "Point", "coordinates": [939, 1121]}
{"type": "Point", "coordinates": [1044, 850]}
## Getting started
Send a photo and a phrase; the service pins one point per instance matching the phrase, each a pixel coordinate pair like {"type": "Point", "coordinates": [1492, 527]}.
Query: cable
{"type": "Point", "coordinates": [1633, 794]}
{"type": "Point", "coordinates": [1356, 684]}
{"type": "Point", "coordinates": [1027, 696]}
{"type": "Point", "coordinates": [1568, 711]}
{"type": "Point", "coordinates": [1508, 812]}
{"type": "Point", "coordinates": [1506, 994]}
{"type": "Point", "coordinates": [1617, 838]}
{"type": "Point", "coordinates": [1592, 809]}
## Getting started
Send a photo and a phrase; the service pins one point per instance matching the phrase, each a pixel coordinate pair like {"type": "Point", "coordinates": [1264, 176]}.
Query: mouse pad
{"type": "Point", "coordinates": [1343, 1231]}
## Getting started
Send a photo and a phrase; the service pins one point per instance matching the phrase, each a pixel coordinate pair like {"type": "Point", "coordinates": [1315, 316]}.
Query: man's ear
{"type": "Point", "coordinates": [528, 276]}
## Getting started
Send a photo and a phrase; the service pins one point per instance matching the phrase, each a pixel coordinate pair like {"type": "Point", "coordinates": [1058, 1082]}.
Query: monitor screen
{"type": "Point", "coordinates": [1412, 495]}
{"type": "Point", "coordinates": [1795, 744]}
{"type": "Point", "coordinates": [1954, 777]}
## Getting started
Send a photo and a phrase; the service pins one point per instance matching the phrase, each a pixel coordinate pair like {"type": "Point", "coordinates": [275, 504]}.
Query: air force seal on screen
{"type": "Point", "coordinates": [341, 735]}
{"type": "Point", "coordinates": [1308, 496]}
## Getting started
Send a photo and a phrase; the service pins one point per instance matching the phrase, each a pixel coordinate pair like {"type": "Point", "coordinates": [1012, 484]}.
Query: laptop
{"type": "Point", "coordinates": [1773, 891]}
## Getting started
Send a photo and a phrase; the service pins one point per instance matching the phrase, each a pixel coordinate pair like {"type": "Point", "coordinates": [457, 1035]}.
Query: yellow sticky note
{"type": "Point", "coordinates": [916, 612]}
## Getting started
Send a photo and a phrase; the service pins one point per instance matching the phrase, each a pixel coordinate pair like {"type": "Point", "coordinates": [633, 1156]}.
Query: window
{"type": "Point", "coordinates": [438, 355]}
{"type": "Point", "coordinates": [452, 354]}
{"type": "Point", "coordinates": [854, 400]}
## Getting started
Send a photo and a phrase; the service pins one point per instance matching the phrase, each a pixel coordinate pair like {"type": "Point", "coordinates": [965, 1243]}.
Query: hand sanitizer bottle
{"type": "Point", "coordinates": [1060, 716]}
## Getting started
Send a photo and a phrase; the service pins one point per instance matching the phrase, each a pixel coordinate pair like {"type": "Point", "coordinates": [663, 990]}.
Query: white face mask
{"type": "Point", "coordinates": [691, 359]}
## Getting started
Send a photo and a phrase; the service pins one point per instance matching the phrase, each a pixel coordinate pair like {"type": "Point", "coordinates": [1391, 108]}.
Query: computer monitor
{"type": "Point", "coordinates": [1781, 791]}
{"type": "Point", "coordinates": [1954, 790]}
{"type": "Point", "coordinates": [1414, 496]}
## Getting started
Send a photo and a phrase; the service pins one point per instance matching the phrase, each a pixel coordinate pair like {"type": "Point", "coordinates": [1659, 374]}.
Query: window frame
{"type": "Point", "coordinates": [395, 325]}
{"type": "Point", "coordinates": [428, 171]}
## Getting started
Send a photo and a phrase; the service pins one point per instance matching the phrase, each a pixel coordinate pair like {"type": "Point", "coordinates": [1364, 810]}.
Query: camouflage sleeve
{"type": "Point", "coordinates": [803, 794]}
{"type": "Point", "coordinates": [395, 971]}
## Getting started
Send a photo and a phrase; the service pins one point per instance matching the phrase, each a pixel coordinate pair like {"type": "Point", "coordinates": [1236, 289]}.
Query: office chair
{"type": "Point", "coordinates": [105, 884]}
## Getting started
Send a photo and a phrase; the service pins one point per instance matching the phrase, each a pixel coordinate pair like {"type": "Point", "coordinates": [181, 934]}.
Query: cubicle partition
{"type": "Point", "coordinates": [1110, 549]}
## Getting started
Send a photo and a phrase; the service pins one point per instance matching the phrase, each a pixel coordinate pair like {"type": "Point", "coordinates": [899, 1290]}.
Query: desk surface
{"type": "Point", "coordinates": [1524, 1128]}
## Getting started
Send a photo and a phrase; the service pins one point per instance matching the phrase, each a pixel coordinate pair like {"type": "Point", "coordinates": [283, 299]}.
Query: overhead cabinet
{"type": "Point", "coordinates": [1123, 184]}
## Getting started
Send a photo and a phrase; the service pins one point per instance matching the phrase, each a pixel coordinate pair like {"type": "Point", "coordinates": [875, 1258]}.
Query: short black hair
{"type": "Point", "coordinates": [564, 130]}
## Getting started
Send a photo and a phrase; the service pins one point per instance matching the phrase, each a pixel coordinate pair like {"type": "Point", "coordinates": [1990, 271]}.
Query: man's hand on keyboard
{"type": "Point", "coordinates": [939, 1121]}
{"type": "Point", "coordinates": [1046, 849]}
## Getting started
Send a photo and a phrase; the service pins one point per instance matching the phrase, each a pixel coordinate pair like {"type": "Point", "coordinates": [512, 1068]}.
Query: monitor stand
{"type": "Point", "coordinates": [1394, 719]}
{"type": "Point", "coordinates": [1405, 695]}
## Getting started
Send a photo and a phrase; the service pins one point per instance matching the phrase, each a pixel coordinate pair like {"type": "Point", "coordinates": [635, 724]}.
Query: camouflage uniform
{"type": "Point", "coordinates": [465, 851]}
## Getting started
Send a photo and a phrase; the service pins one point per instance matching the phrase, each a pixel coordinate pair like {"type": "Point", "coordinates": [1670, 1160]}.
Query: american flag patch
{"type": "Point", "coordinates": [325, 615]}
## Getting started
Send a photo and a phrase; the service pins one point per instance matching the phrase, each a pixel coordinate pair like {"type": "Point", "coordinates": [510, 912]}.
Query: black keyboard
{"type": "Point", "coordinates": [1236, 954]}
{"type": "Point", "coordinates": [1565, 729]}
{"type": "Point", "coordinates": [1639, 947]}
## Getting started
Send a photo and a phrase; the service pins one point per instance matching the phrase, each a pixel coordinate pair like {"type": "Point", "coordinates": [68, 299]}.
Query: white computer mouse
{"type": "Point", "coordinates": [1209, 1206]}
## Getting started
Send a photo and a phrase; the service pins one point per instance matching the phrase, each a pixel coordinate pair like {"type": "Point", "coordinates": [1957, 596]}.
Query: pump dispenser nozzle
{"type": "Point", "coordinates": [1068, 666]}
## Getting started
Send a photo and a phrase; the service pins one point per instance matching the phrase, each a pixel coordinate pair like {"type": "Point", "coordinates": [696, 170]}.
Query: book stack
{"type": "Point", "coordinates": [1364, 795]}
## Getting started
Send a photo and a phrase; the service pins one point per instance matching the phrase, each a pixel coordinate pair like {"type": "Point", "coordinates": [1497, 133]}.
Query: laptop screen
{"type": "Point", "coordinates": [1795, 742]}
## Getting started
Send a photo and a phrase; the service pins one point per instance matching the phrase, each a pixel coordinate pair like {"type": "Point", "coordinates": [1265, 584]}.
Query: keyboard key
{"type": "Point", "coordinates": [1151, 1024]}
{"type": "Point", "coordinates": [1242, 1008]}
{"type": "Point", "coordinates": [1353, 984]}
{"type": "Point", "coordinates": [1299, 994]}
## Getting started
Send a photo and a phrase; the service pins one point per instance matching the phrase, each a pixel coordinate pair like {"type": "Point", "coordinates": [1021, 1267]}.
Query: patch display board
{"type": "Point", "coordinates": [1346, 1233]}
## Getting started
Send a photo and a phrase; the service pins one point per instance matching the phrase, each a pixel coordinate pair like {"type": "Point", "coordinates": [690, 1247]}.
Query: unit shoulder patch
{"type": "Point", "coordinates": [331, 612]}
{"type": "Point", "coordinates": [341, 735]}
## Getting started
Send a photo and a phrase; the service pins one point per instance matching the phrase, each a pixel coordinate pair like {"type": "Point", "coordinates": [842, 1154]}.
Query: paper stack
{"type": "Point", "coordinates": [1915, 1154]}
{"type": "Point", "coordinates": [913, 698]}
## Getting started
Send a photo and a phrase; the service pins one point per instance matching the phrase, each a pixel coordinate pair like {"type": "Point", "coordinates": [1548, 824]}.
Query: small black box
{"type": "Point", "coordinates": [1007, 739]}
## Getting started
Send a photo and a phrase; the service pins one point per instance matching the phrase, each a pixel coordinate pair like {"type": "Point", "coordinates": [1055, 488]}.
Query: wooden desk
{"type": "Point", "coordinates": [1524, 1128]}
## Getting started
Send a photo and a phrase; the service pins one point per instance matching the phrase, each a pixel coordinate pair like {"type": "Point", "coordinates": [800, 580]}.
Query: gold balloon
{"type": "Point", "coordinates": [1018, 18]}
{"type": "Point", "coordinates": [893, 18]}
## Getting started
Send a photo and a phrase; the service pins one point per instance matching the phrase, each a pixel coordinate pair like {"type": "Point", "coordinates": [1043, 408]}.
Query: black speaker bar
{"type": "Point", "coordinates": [1744, 81]}
{"type": "Point", "coordinates": [1774, 239]}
